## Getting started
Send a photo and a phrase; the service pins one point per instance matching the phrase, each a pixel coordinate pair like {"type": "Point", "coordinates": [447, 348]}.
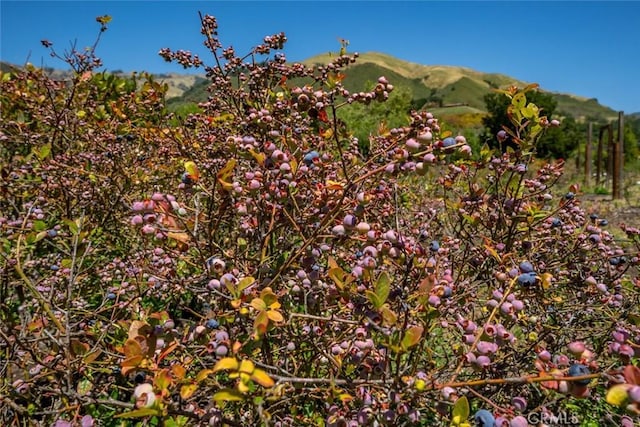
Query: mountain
{"type": "Point", "coordinates": [444, 90]}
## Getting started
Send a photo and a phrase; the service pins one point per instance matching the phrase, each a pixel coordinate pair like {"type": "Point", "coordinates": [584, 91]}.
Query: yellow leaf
{"type": "Point", "coordinates": [546, 280]}
{"type": "Point", "coordinates": [246, 367]}
{"type": "Point", "coordinates": [259, 157]}
{"type": "Point", "coordinates": [334, 185]}
{"type": "Point", "coordinates": [226, 363]}
{"type": "Point", "coordinates": [228, 395]}
{"type": "Point", "coordinates": [178, 371]}
{"type": "Point", "coordinates": [224, 175]}
{"type": "Point", "coordinates": [258, 304]}
{"type": "Point", "coordinates": [618, 395]}
{"type": "Point", "coordinates": [262, 378]}
{"type": "Point", "coordinates": [187, 390]}
{"type": "Point", "coordinates": [163, 379]}
{"type": "Point", "coordinates": [192, 170]}
{"type": "Point", "coordinates": [180, 237]}
{"type": "Point", "coordinates": [202, 375]}
{"type": "Point", "coordinates": [276, 316]}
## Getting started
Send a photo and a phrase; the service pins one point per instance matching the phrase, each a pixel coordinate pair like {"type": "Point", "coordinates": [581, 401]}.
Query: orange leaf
{"type": "Point", "coordinates": [167, 351]}
{"type": "Point", "coordinates": [132, 348]}
{"type": "Point", "coordinates": [276, 316]}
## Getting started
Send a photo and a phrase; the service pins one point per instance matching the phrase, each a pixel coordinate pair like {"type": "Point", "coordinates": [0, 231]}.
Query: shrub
{"type": "Point", "coordinates": [248, 265]}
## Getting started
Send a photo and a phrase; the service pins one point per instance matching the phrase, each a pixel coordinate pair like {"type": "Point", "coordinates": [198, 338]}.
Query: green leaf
{"type": "Point", "coordinates": [519, 100]}
{"type": "Point", "coordinates": [382, 287]}
{"type": "Point", "coordinates": [460, 411]}
{"type": "Point", "coordinates": [139, 413]}
{"type": "Point", "coordinates": [374, 299]}
{"type": "Point", "coordinates": [39, 225]}
{"type": "Point", "coordinates": [412, 337]}
{"type": "Point", "coordinates": [228, 395]}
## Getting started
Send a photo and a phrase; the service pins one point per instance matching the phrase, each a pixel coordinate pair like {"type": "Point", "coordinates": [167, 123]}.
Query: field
{"type": "Point", "coordinates": [251, 264]}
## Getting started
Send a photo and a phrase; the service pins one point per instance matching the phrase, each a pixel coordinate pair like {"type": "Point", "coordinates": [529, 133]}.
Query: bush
{"type": "Point", "coordinates": [248, 265]}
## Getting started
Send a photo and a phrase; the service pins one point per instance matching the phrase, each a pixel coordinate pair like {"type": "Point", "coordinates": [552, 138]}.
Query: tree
{"type": "Point", "coordinates": [555, 143]}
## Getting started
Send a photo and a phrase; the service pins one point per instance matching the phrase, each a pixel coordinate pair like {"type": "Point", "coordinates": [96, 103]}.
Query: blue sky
{"type": "Point", "coordinates": [590, 49]}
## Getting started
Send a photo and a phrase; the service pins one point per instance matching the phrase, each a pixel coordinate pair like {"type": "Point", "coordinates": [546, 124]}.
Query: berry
{"type": "Point", "coordinates": [577, 370]}
{"type": "Point", "coordinates": [111, 296]}
{"type": "Point", "coordinates": [309, 158]}
{"type": "Point", "coordinates": [526, 267]}
{"type": "Point", "coordinates": [569, 196]}
{"type": "Point", "coordinates": [139, 377]}
{"type": "Point", "coordinates": [52, 233]}
{"type": "Point", "coordinates": [448, 142]}
{"type": "Point", "coordinates": [527, 279]}
{"type": "Point", "coordinates": [434, 246]}
{"type": "Point", "coordinates": [556, 222]}
{"type": "Point", "coordinates": [212, 324]}
{"type": "Point", "coordinates": [484, 418]}
{"type": "Point", "coordinates": [519, 421]}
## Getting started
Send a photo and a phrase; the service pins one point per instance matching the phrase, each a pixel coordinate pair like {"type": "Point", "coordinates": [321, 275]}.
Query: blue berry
{"type": "Point", "coordinates": [310, 157]}
{"type": "Point", "coordinates": [52, 233]}
{"type": "Point", "coordinates": [603, 223]}
{"type": "Point", "coordinates": [556, 222]}
{"type": "Point", "coordinates": [484, 418]}
{"type": "Point", "coordinates": [111, 296]}
{"type": "Point", "coordinates": [569, 196]}
{"type": "Point", "coordinates": [526, 267]}
{"type": "Point", "coordinates": [448, 142]}
{"type": "Point", "coordinates": [527, 279]}
{"type": "Point", "coordinates": [212, 324]}
{"type": "Point", "coordinates": [434, 246]}
{"type": "Point", "coordinates": [577, 370]}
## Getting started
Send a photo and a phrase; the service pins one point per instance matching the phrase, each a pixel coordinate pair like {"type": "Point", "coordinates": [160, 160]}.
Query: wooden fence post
{"type": "Point", "coordinates": [587, 156]}
{"type": "Point", "coordinates": [619, 159]}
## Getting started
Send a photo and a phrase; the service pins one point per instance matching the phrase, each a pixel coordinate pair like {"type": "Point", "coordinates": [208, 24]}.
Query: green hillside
{"type": "Point", "coordinates": [431, 86]}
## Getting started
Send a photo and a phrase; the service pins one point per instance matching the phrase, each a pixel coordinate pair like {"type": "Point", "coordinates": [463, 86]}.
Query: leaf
{"type": "Point", "coordinates": [262, 378]}
{"type": "Point", "coordinates": [258, 304]}
{"type": "Point", "coordinates": [389, 317]}
{"type": "Point", "coordinates": [162, 379]}
{"type": "Point", "coordinates": [178, 371]}
{"type": "Point", "coordinates": [228, 395]}
{"type": "Point", "coordinates": [139, 413]}
{"type": "Point", "coordinates": [618, 395]}
{"type": "Point", "coordinates": [382, 287]}
{"type": "Point", "coordinates": [412, 337]}
{"type": "Point", "coordinates": [373, 297]}
{"type": "Point", "coordinates": [167, 351]}
{"type": "Point", "coordinates": [246, 367]}
{"type": "Point", "coordinates": [275, 316]}
{"type": "Point", "coordinates": [192, 170]}
{"type": "Point", "coordinates": [78, 348]}
{"type": "Point", "coordinates": [259, 157]}
{"type": "Point", "coordinates": [632, 374]}
{"type": "Point", "coordinates": [202, 375]}
{"type": "Point", "coordinates": [244, 283]}
{"type": "Point", "coordinates": [132, 348]}
{"type": "Point", "coordinates": [131, 363]}
{"type": "Point", "coordinates": [187, 390]}
{"type": "Point", "coordinates": [337, 275]}
{"type": "Point", "coordinates": [460, 411]}
{"type": "Point", "coordinates": [261, 323]}
{"type": "Point", "coordinates": [224, 174]}
{"type": "Point", "coordinates": [519, 100]}
{"type": "Point", "coordinates": [226, 363]}
{"type": "Point", "coordinates": [180, 237]}
{"type": "Point", "coordinates": [91, 357]}
{"type": "Point", "coordinates": [104, 19]}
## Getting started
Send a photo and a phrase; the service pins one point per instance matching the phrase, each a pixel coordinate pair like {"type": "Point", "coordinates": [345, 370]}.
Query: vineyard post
{"type": "Point", "coordinates": [587, 156]}
{"type": "Point", "coordinates": [618, 158]}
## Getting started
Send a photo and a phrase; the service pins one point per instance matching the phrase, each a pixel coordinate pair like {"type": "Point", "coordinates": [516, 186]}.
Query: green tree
{"type": "Point", "coordinates": [555, 143]}
{"type": "Point", "coordinates": [361, 119]}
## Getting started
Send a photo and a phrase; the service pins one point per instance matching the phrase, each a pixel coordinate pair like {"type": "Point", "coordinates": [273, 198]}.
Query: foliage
{"type": "Point", "coordinates": [556, 143]}
{"type": "Point", "coordinates": [249, 264]}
